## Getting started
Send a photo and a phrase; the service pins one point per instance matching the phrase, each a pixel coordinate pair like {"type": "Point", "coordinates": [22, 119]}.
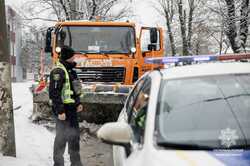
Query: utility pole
{"type": "Point", "coordinates": [7, 132]}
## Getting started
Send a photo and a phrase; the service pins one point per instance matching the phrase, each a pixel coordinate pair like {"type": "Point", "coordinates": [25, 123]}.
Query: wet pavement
{"type": "Point", "coordinates": [95, 153]}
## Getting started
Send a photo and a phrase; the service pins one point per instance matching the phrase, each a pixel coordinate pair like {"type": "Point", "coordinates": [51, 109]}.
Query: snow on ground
{"type": "Point", "coordinates": [34, 143]}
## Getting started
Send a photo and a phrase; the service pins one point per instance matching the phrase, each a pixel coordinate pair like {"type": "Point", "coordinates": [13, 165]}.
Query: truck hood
{"type": "Point", "coordinates": [103, 56]}
{"type": "Point", "coordinates": [102, 61]}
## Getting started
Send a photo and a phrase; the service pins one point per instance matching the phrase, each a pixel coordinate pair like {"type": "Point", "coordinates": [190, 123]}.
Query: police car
{"type": "Point", "coordinates": [193, 115]}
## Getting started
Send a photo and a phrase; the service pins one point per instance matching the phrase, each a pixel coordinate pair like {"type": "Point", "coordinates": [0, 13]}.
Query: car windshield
{"type": "Point", "coordinates": [96, 39]}
{"type": "Point", "coordinates": [207, 112]}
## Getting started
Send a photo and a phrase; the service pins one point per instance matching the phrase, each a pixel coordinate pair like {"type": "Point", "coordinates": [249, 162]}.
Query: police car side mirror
{"type": "Point", "coordinates": [116, 133]}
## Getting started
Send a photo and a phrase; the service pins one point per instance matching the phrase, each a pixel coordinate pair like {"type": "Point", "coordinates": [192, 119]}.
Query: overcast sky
{"type": "Point", "coordinates": [146, 14]}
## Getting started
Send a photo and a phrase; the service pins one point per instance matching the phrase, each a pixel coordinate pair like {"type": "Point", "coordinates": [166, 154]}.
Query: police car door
{"type": "Point", "coordinates": [119, 153]}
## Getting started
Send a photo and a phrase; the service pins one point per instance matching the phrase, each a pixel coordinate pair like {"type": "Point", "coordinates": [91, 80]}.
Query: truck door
{"type": "Point", "coordinates": [151, 42]}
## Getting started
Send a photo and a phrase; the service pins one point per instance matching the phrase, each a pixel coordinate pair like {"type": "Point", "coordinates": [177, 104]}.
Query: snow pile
{"type": "Point", "coordinates": [34, 143]}
{"type": "Point", "coordinates": [11, 161]}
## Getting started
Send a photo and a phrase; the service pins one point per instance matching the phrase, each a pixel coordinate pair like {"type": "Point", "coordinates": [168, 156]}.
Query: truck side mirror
{"type": "Point", "coordinates": [48, 47]}
{"type": "Point", "coordinates": [153, 35]}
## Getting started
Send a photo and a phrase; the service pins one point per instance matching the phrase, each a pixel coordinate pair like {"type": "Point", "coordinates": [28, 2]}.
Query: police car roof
{"type": "Point", "coordinates": [206, 69]}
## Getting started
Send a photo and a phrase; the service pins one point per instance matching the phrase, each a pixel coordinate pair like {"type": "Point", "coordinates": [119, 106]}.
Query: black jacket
{"type": "Point", "coordinates": [57, 79]}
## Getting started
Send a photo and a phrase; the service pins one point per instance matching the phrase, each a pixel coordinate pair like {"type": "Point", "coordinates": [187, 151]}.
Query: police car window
{"type": "Point", "coordinates": [137, 117]}
{"type": "Point", "coordinates": [133, 94]}
{"type": "Point", "coordinates": [141, 101]}
{"type": "Point", "coordinates": [194, 102]}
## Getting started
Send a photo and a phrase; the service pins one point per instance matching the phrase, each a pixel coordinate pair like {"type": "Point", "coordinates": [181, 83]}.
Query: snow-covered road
{"type": "Point", "coordinates": [34, 143]}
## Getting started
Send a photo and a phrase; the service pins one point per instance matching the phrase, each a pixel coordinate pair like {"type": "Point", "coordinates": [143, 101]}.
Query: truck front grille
{"type": "Point", "coordinates": [101, 74]}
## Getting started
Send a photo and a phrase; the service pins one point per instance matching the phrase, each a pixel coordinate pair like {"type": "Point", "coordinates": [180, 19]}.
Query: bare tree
{"type": "Point", "coordinates": [66, 11]}
{"type": "Point", "coordinates": [166, 8]}
{"type": "Point", "coordinates": [7, 134]}
{"type": "Point", "coordinates": [103, 9]}
{"type": "Point", "coordinates": [81, 9]}
{"type": "Point", "coordinates": [237, 36]}
{"type": "Point", "coordinates": [53, 8]}
{"type": "Point", "coordinates": [182, 18]}
{"type": "Point", "coordinates": [192, 6]}
{"type": "Point", "coordinates": [231, 24]}
{"type": "Point", "coordinates": [244, 23]}
{"type": "Point", "coordinates": [186, 23]}
{"type": "Point", "coordinates": [235, 15]}
{"type": "Point", "coordinates": [213, 16]}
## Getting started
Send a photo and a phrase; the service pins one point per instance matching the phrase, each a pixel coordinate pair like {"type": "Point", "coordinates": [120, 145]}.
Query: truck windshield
{"type": "Point", "coordinates": [205, 112]}
{"type": "Point", "coordinates": [96, 39]}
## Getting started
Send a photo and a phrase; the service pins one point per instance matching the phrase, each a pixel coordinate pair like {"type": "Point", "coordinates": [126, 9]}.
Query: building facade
{"type": "Point", "coordinates": [15, 43]}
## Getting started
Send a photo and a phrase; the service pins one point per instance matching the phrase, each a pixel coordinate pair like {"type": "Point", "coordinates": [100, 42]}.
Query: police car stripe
{"type": "Point", "coordinates": [232, 157]}
{"type": "Point", "coordinates": [198, 158]}
{"type": "Point", "coordinates": [185, 157]}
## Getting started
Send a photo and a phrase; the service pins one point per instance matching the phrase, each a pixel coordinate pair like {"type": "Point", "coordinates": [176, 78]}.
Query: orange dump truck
{"type": "Point", "coordinates": [110, 59]}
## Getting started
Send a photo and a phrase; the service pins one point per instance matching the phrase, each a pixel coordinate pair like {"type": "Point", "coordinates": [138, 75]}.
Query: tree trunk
{"type": "Point", "coordinates": [221, 39]}
{"type": "Point", "coordinates": [67, 14]}
{"type": "Point", "coordinates": [170, 34]}
{"type": "Point", "coordinates": [231, 30]}
{"type": "Point", "coordinates": [190, 23]}
{"type": "Point", "coordinates": [93, 12]}
{"type": "Point", "coordinates": [171, 40]}
{"type": "Point", "coordinates": [182, 18]}
{"type": "Point", "coordinates": [197, 48]}
{"type": "Point", "coordinates": [243, 25]}
{"type": "Point", "coordinates": [7, 132]}
{"type": "Point", "coordinates": [166, 9]}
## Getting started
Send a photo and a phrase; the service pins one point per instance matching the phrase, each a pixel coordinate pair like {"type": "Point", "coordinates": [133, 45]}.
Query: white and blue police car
{"type": "Point", "coordinates": [192, 115]}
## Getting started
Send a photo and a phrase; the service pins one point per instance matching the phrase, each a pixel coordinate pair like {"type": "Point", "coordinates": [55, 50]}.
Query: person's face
{"type": "Point", "coordinates": [71, 60]}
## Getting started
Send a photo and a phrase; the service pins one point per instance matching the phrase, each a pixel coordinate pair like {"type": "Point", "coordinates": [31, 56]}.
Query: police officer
{"type": "Point", "coordinates": [65, 105]}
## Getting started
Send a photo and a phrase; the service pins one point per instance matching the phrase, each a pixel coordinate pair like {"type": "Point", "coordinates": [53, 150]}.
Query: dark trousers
{"type": "Point", "coordinates": [66, 133]}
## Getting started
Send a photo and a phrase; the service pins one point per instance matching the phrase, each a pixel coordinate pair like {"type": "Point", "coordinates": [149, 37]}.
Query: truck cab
{"type": "Point", "coordinates": [107, 52]}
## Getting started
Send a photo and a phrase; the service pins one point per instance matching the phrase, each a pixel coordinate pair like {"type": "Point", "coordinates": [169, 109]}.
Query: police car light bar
{"type": "Point", "coordinates": [196, 58]}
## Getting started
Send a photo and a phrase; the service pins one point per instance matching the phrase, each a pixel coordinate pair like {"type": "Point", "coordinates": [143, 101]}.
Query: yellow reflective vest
{"type": "Point", "coordinates": [66, 90]}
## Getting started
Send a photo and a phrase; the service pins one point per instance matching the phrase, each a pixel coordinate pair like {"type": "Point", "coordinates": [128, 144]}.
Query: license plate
{"type": "Point", "coordinates": [96, 63]}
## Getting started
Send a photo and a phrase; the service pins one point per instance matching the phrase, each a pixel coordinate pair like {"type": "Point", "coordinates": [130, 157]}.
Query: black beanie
{"type": "Point", "coordinates": [66, 53]}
